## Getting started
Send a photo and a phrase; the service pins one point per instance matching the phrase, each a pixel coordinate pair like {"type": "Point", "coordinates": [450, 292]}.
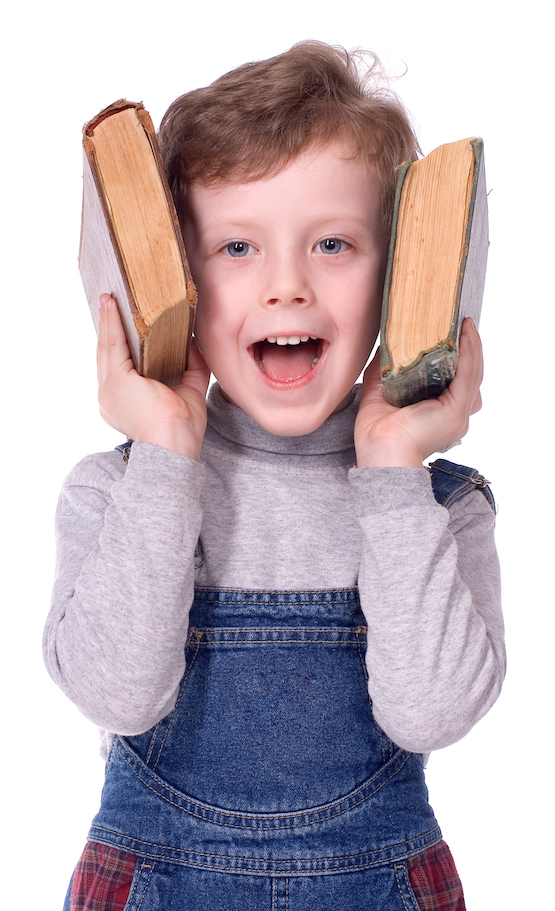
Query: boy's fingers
{"type": "Point", "coordinates": [477, 404]}
{"type": "Point", "coordinates": [470, 367]}
{"type": "Point", "coordinates": [372, 372]}
{"type": "Point", "coordinates": [372, 379]}
{"type": "Point", "coordinates": [463, 394]}
{"type": "Point", "coordinates": [197, 374]}
{"type": "Point", "coordinates": [113, 350]}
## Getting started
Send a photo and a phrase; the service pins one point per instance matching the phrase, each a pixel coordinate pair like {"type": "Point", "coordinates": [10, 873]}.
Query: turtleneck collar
{"type": "Point", "coordinates": [232, 424]}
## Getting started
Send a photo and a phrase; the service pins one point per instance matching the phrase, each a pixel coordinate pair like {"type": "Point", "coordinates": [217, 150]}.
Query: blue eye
{"type": "Point", "coordinates": [237, 248]}
{"type": "Point", "coordinates": [331, 245]}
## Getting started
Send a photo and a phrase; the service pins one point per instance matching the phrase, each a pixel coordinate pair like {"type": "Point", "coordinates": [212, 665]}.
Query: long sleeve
{"type": "Point", "coordinates": [281, 514]}
{"type": "Point", "coordinates": [430, 592]}
{"type": "Point", "coordinates": [115, 635]}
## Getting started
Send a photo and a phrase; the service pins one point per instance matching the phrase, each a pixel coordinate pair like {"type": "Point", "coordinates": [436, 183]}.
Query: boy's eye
{"type": "Point", "coordinates": [332, 245]}
{"type": "Point", "coordinates": [237, 248]}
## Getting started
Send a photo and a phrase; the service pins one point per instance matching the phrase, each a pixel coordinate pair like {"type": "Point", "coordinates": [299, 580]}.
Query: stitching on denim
{"type": "Point", "coordinates": [135, 883]}
{"type": "Point", "coordinates": [188, 666]}
{"type": "Point", "coordinates": [316, 811]}
{"type": "Point", "coordinates": [403, 884]}
{"type": "Point", "coordinates": [298, 820]}
{"type": "Point", "coordinates": [260, 635]}
{"type": "Point", "coordinates": [109, 757]}
{"type": "Point", "coordinates": [269, 642]}
{"type": "Point", "coordinates": [151, 744]}
{"type": "Point", "coordinates": [324, 867]}
{"type": "Point", "coordinates": [146, 885]}
{"type": "Point", "coordinates": [360, 638]}
{"type": "Point", "coordinates": [389, 752]}
{"type": "Point", "coordinates": [276, 596]}
{"type": "Point", "coordinates": [399, 869]}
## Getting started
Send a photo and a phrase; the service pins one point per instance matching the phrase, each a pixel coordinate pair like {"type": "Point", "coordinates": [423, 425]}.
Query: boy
{"type": "Point", "coordinates": [228, 602]}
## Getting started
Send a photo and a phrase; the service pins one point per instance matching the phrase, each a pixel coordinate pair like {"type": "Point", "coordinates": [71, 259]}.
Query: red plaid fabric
{"type": "Point", "coordinates": [102, 879]}
{"type": "Point", "coordinates": [435, 881]}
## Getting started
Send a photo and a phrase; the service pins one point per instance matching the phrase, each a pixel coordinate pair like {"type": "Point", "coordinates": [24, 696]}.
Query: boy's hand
{"type": "Point", "coordinates": [386, 436]}
{"type": "Point", "coordinates": [144, 409]}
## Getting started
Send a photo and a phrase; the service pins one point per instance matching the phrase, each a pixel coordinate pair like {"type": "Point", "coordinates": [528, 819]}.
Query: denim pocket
{"type": "Point", "coordinates": [272, 720]}
{"type": "Point", "coordinates": [273, 713]}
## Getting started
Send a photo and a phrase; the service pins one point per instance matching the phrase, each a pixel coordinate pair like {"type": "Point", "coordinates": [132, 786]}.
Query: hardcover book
{"type": "Point", "coordinates": [131, 243]}
{"type": "Point", "coordinates": [436, 269]}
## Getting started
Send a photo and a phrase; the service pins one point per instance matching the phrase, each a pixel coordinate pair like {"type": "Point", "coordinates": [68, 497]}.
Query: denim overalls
{"type": "Point", "coordinates": [270, 785]}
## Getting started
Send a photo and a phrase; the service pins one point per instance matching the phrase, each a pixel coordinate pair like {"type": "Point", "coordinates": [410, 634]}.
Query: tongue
{"type": "Point", "coordinates": [284, 363]}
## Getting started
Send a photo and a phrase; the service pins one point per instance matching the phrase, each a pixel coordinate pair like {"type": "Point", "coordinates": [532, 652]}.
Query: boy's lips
{"type": "Point", "coordinates": [284, 359]}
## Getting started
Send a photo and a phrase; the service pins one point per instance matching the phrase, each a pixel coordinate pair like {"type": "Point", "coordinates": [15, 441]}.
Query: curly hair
{"type": "Point", "coordinates": [253, 121]}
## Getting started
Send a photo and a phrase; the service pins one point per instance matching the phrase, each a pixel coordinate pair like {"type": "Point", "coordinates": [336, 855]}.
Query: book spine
{"type": "Point", "coordinates": [191, 292]}
{"type": "Point", "coordinates": [385, 357]}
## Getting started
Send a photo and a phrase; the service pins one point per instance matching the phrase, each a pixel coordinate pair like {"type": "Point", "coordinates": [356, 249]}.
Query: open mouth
{"type": "Point", "coordinates": [287, 358]}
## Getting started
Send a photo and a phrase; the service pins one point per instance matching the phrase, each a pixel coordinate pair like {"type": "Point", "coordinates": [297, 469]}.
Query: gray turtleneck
{"type": "Point", "coordinates": [276, 513]}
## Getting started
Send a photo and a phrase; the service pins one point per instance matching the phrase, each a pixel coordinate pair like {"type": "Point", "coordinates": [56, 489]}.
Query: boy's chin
{"type": "Point", "coordinates": [291, 422]}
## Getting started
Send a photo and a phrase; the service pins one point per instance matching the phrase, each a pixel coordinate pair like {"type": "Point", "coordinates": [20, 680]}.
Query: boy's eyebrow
{"type": "Point", "coordinates": [220, 222]}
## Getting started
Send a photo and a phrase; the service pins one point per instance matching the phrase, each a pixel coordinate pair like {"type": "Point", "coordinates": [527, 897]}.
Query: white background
{"type": "Point", "coordinates": [473, 69]}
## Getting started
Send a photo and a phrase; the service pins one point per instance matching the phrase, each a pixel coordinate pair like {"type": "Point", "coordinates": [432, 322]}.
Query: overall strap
{"type": "Point", "coordinates": [125, 449]}
{"type": "Point", "coordinates": [451, 482]}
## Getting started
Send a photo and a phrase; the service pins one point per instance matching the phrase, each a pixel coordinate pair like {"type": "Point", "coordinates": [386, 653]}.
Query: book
{"type": "Point", "coordinates": [131, 243]}
{"type": "Point", "coordinates": [436, 269]}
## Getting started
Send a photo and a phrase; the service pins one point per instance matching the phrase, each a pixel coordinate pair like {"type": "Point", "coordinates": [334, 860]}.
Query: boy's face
{"type": "Point", "coordinates": [298, 257]}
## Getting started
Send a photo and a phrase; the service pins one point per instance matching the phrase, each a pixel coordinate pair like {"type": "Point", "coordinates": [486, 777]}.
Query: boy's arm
{"type": "Point", "coordinates": [430, 591]}
{"type": "Point", "coordinates": [117, 628]}
{"type": "Point", "coordinates": [115, 635]}
{"type": "Point", "coordinates": [429, 578]}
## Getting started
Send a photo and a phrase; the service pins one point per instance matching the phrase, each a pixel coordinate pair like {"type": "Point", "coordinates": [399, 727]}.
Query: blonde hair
{"type": "Point", "coordinates": [253, 121]}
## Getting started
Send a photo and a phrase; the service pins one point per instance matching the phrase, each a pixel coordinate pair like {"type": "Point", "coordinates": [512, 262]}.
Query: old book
{"type": "Point", "coordinates": [131, 242]}
{"type": "Point", "coordinates": [436, 269]}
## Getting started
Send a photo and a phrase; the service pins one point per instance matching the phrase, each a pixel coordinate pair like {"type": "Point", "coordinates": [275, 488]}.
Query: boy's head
{"type": "Point", "coordinates": [256, 119]}
{"type": "Point", "coordinates": [283, 173]}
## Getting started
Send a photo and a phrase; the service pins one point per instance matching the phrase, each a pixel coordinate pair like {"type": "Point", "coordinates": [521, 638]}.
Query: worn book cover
{"type": "Point", "coordinates": [436, 269]}
{"type": "Point", "coordinates": [131, 243]}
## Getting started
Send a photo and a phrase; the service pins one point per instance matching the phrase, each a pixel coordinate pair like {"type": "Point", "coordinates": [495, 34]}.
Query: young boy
{"type": "Point", "coordinates": [273, 608]}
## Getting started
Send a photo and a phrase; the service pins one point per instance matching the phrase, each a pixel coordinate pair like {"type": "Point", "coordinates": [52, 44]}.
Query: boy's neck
{"type": "Point", "coordinates": [236, 426]}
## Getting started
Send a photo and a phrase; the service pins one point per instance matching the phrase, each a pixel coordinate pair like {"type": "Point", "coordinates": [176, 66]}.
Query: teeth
{"type": "Point", "coordinates": [263, 369]}
{"type": "Point", "coordinates": [289, 339]}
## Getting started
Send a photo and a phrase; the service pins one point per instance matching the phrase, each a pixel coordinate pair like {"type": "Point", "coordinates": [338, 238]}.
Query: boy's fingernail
{"type": "Point", "coordinates": [105, 301]}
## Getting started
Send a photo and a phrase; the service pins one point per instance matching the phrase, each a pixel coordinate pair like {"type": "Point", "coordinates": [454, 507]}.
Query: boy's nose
{"type": "Point", "coordinates": [286, 283]}
{"type": "Point", "coordinates": [286, 300]}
